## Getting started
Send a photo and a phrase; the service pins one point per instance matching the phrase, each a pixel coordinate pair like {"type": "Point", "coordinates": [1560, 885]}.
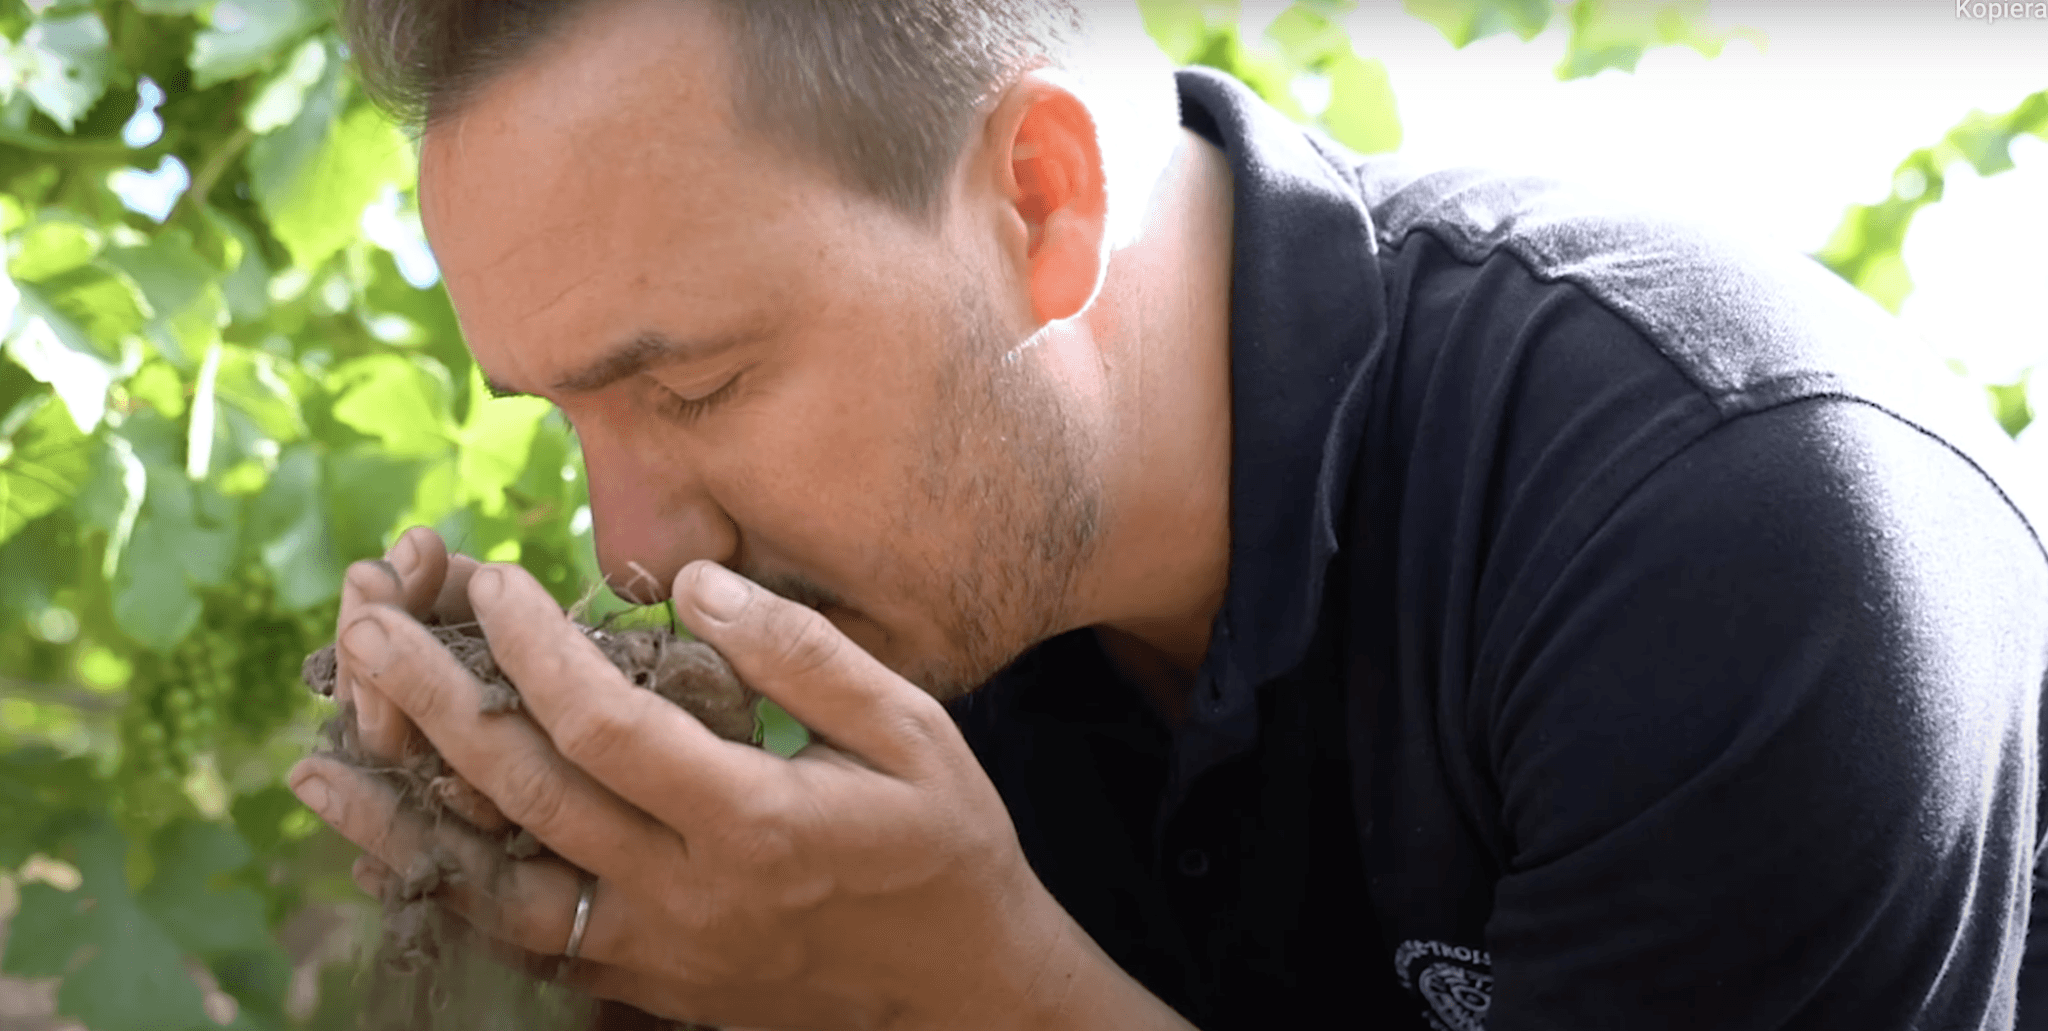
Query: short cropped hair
{"type": "Point", "coordinates": [880, 93]}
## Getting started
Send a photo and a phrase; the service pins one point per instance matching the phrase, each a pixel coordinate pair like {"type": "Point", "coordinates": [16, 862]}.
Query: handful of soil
{"type": "Point", "coordinates": [431, 969]}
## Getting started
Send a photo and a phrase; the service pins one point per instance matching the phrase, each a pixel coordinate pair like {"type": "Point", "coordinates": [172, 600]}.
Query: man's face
{"type": "Point", "coordinates": [763, 369]}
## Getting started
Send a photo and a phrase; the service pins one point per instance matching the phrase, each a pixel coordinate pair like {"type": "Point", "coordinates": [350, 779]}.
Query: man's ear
{"type": "Point", "coordinates": [1047, 166]}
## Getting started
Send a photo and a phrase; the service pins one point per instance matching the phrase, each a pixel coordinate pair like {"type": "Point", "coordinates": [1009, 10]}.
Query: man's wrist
{"type": "Point", "coordinates": [1079, 988]}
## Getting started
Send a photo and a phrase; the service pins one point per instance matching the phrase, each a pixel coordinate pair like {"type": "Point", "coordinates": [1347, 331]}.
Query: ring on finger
{"type": "Point", "coordinates": [581, 921]}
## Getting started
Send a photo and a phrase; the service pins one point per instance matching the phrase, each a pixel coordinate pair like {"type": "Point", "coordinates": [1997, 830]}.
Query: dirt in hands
{"type": "Point", "coordinates": [431, 970]}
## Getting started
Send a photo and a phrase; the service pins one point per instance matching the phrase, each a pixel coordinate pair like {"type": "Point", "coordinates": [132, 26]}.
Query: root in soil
{"type": "Point", "coordinates": [431, 970]}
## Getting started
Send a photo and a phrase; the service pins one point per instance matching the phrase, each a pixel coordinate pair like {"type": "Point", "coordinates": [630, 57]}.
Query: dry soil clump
{"type": "Point", "coordinates": [431, 969]}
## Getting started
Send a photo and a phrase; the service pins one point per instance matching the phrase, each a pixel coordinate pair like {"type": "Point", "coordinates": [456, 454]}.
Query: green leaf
{"type": "Point", "coordinates": [1465, 21]}
{"type": "Point", "coordinates": [289, 525]}
{"type": "Point", "coordinates": [91, 308]}
{"type": "Point", "coordinates": [169, 271]}
{"type": "Point", "coordinates": [200, 917]}
{"type": "Point", "coordinates": [46, 464]}
{"type": "Point", "coordinates": [246, 288]}
{"type": "Point", "coordinates": [180, 287]}
{"type": "Point", "coordinates": [1182, 28]}
{"type": "Point", "coordinates": [157, 384]}
{"type": "Point", "coordinates": [495, 440]}
{"type": "Point", "coordinates": [1361, 114]}
{"type": "Point", "coordinates": [283, 96]}
{"type": "Point", "coordinates": [121, 971]}
{"type": "Point", "coordinates": [315, 176]}
{"type": "Point", "coordinates": [56, 244]}
{"type": "Point", "coordinates": [367, 492]}
{"type": "Point", "coordinates": [1308, 38]}
{"type": "Point", "coordinates": [152, 602]}
{"type": "Point", "coordinates": [253, 383]}
{"type": "Point", "coordinates": [186, 534]}
{"type": "Point", "coordinates": [171, 7]}
{"type": "Point", "coordinates": [1616, 33]}
{"type": "Point", "coordinates": [780, 732]}
{"type": "Point", "coordinates": [80, 378]}
{"type": "Point", "coordinates": [1269, 77]}
{"type": "Point", "coordinates": [45, 795]}
{"type": "Point", "coordinates": [66, 66]}
{"type": "Point", "coordinates": [396, 400]}
{"type": "Point", "coordinates": [2009, 405]}
{"type": "Point", "coordinates": [245, 34]}
{"type": "Point", "coordinates": [277, 158]}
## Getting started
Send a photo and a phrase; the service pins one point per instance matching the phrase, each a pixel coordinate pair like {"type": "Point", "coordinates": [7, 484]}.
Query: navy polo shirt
{"type": "Point", "coordinates": [1626, 628]}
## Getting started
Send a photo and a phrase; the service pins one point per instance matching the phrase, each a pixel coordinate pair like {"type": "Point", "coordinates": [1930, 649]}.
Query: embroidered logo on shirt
{"type": "Point", "coordinates": [1455, 981]}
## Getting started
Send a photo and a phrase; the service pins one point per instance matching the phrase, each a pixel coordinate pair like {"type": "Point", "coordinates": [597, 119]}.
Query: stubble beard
{"type": "Point", "coordinates": [1005, 458]}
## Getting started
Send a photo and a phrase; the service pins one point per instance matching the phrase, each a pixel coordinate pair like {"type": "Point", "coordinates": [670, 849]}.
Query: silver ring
{"type": "Point", "coordinates": [582, 921]}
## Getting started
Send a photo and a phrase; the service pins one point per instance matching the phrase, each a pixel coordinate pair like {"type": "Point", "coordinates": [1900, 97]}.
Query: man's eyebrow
{"type": "Point", "coordinates": [642, 352]}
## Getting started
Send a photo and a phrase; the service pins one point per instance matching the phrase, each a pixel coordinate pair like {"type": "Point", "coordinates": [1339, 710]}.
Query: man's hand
{"type": "Point", "coordinates": [871, 881]}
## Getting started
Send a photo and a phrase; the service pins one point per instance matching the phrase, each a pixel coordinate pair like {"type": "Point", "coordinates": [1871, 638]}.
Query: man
{"type": "Point", "coordinates": [1402, 600]}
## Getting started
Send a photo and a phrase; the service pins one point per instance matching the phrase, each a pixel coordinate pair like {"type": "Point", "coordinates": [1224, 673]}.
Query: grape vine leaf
{"type": "Point", "coordinates": [47, 460]}
{"type": "Point", "coordinates": [80, 378]}
{"type": "Point", "coordinates": [1867, 246]}
{"type": "Point", "coordinates": [178, 285]}
{"type": "Point", "coordinates": [289, 525]}
{"type": "Point", "coordinates": [496, 438]}
{"type": "Point", "coordinates": [66, 65]}
{"type": "Point", "coordinates": [1308, 38]}
{"type": "Point", "coordinates": [91, 308]}
{"type": "Point", "coordinates": [169, 6]}
{"type": "Point", "coordinates": [1464, 22]}
{"type": "Point", "coordinates": [367, 491]}
{"type": "Point", "coordinates": [57, 243]}
{"type": "Point", "coordinates": [121, 970]}
{"type": "Point", "coordinates": [314, 176]}
{"type": "Point", "coordinates": [203, 919]}
{"type": "Point", "coordinates": [43, 791]}
{"type": "Point", "coordinates": [1616, 33]}
{"type": "Point", "coordinates": [245, 34]}
{"type": "Point", "coordinates": [396, 400]}
{"type": "Point", "coordinates": [283, 95]}
{"type": "Point", "coordinates": [186, 534]}
{"type": "Point", "coordinates": [1362, 114]}
{"type": "Point", "coordinates": [1182, 28]}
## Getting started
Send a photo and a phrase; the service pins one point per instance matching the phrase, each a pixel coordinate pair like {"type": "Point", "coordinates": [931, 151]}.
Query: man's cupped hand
{"type": "Point", "coordinates": [873, 880]}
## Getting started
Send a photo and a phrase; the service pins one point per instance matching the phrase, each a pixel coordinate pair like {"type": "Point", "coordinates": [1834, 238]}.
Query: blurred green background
{"type": "Point", "coordinates": [229, 371]}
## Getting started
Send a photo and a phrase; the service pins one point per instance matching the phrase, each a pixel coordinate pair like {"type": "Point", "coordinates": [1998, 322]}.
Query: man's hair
{"type": "Point", "coordinates": [880, 93]}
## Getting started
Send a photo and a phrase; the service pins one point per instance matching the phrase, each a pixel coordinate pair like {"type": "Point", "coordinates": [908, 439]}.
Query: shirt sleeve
{"type": "Point", "coordinates": [1767, 747]}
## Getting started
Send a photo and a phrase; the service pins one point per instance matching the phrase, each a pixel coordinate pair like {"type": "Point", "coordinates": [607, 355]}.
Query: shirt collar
{"type": "Point", "coordinates": [1307, 323]}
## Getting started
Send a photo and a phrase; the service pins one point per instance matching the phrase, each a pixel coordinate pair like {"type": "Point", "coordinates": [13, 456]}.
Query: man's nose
{"type": "Point", "coordinates": [651, 522]}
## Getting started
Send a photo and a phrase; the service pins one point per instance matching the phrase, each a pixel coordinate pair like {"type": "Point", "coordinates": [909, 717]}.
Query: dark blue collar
{"type": "Point", "coordinates": [1307, 323]}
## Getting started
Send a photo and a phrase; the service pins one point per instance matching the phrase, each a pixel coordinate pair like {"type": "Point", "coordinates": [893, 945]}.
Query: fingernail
{"type": "Point", "coordinates": [404, 557]}
{"type": "Point", "coordinates": [486, 584]}
{"type": "Point", "coordinates": [365, 639]}
{"type": "Point", "coordinates": [314, 792]}
{"type": "Point", "coordinates": [370, 710]}
{"type": "Point", "coordinates": [721, 594]}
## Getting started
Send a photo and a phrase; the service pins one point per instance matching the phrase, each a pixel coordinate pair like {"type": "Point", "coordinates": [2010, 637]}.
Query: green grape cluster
{"type": "Point", "coordinates": [233, 679]}
{"type": "Point", "coordinates": [175, 701]}
{"type": "Point", "coordinates": [265, 692]}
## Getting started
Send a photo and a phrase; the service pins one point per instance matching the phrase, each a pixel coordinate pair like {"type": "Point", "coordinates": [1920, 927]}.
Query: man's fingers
{"type": "Point", "coordinates": [504, 756]}
{"type": "Point", "coordinates": [633, 741]}
{"type": "Point", "coordinates": [382, 727]}
{"type": "Point", "coordinates": [452, 606]}
{"type": "Point", "coordinates": [526, 903]}
{"type": "Point", "coordinates": [797, 657]}
{"type": "Point", "coordinates": [421, 561]}
{"type": "Point", "coordinates": [410, 577]}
